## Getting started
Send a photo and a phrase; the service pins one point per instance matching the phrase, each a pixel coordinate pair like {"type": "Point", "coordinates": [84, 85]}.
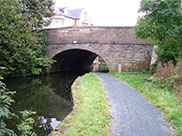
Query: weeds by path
{"type": "Point", "coordinates": [166, 100]}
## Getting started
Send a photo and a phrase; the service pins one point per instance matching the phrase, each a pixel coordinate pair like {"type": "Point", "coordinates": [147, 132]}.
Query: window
{"type": "Point", "coordinates": [57, 23]}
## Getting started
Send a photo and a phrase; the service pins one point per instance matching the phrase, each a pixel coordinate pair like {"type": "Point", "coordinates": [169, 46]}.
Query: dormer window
{"type": "Point", "coordinates": [61, 10]}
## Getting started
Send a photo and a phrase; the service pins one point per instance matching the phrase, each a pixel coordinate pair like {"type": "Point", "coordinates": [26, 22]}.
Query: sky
{"type": "Point", "coordinates": [107, 12]}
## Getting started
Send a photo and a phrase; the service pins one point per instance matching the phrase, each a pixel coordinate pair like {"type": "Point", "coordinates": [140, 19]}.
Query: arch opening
{"type": "Point", "coordinates": [78, 61]}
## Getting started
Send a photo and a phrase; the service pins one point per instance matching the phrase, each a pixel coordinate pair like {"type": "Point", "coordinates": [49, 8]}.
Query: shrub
{"type": "Point", "coordinates": [170, 77]}
{"type": "Point", "coordinates": [166, 70]}
{"type": "Point", "coordinates": [177, 87]}
{"type": "Point", "coordinates": [179, 67]}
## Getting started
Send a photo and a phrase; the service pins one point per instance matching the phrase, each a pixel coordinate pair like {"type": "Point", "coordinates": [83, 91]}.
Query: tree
{"type": "Point", "coordinates": [162, 25]}
{"type": "Point", "coordinates": [22, 40]}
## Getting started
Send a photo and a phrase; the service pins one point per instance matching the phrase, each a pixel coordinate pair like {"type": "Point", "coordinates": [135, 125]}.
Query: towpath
{"type": "Point", "coordinates": [132, 114]}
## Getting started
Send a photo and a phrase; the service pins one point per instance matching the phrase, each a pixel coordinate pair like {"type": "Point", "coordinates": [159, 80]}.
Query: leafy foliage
{"type": "Point", "coordinates": [162, 25]}
{"type": "Point", "coordinates": [5, 113]}
{"type": "Point", "coordinates": [26, 125]}
{"type": "Point", "coordinates": [25, 128]}
{"type": "Point", "coordinates": [22, 40]}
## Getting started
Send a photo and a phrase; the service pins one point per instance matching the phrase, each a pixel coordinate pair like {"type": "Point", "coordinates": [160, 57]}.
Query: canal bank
{"type": "Point", "coordinates": [66, 123]}
{"type": "Point", "coordinates": [92, 116]}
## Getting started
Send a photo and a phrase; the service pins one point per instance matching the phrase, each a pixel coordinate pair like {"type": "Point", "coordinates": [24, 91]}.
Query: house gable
{"type": "Point", "coordinates": [65, 17]}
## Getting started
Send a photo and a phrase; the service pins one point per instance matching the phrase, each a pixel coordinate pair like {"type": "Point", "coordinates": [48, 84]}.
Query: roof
{"type": "Point", "coordinates": [73, 13]}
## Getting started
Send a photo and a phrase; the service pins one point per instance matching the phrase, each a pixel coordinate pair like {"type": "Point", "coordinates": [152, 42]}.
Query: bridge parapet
{"type": "Point", "coordinates": [92, 35]}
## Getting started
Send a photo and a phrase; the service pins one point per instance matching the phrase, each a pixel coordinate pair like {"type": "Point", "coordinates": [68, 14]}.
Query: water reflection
{"type": "Point", "coordinates": [50, 96]}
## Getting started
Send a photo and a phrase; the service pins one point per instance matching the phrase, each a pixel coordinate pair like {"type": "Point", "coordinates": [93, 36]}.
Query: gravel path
{"type": "Point", "coordinates": [132, 114]}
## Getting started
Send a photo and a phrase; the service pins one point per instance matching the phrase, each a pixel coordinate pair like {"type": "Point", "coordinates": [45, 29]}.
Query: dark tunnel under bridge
{"type": "Point", "coordinates": [78, 61]}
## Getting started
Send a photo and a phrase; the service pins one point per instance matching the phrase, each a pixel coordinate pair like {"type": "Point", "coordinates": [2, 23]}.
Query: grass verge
{"type": "Point", "coordinates": [91, 116]}
{"type": "Point", "coordinates": [166, 100]}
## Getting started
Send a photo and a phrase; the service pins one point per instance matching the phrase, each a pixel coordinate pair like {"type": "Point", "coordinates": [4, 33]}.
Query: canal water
{"type": "Point", "coordinates": [50, 96]}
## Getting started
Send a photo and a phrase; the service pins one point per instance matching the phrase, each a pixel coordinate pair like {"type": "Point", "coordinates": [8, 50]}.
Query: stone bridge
{"type": "Point", "coordinates": [75, 48]}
